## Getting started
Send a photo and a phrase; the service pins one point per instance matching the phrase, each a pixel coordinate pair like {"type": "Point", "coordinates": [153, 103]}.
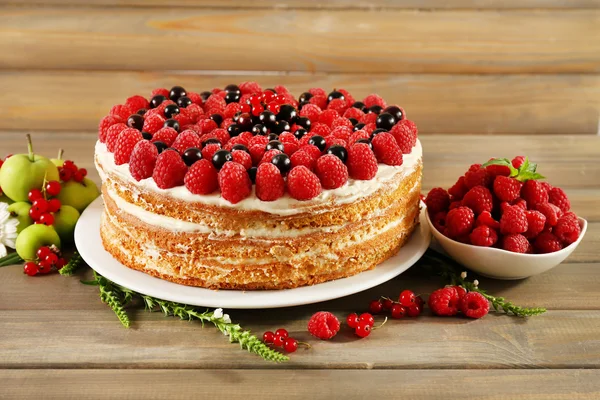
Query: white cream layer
{"type": "Point", "coordinates": [352, 191]}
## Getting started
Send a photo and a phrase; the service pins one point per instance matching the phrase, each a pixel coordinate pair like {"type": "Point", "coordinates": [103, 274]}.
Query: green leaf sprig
{"type": "Point", "coordinates": [10, 259]}
{"type": "Point", "coordinates": [527, 171]}
{"type": "Point", "coordinates": [117, 296]}
{"type": "Point", "coordinates": [453, 273]}
{"type": "Point", "coordinates": [73, 265]}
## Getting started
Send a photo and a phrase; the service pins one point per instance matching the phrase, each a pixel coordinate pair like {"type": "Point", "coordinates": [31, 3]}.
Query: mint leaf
{"type": "Point", "coordinates": [505, 162]}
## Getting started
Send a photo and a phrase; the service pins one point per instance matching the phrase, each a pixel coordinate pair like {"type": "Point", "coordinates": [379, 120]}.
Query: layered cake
{"type": "Point", "coordinates": [244, 188]}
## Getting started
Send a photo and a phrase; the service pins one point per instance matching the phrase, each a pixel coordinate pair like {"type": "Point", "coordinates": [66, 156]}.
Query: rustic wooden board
{"type": "Point", "coordinates": [328, 5]}
{"type": "Point", "coordinates": [453, 104]}
{"type": "Point", "coordinates": [302, 40]}
{"type": "Point", "coordinates": [295, 384]}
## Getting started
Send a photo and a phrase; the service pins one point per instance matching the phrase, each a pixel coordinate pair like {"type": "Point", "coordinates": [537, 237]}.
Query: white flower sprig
{"type": "Point", "coordinates": [8, 229]}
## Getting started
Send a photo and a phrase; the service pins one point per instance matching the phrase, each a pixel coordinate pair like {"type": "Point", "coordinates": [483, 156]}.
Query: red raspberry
{"type": "Point", "coordinates": [353, 112]}
{"type": "Point", "coordinates": [513, 220]}
{"type": "Point", "coordinates": [498, 170]}
{"type": "Point", "coordinates": [231, 109]}
{"type": "Point", "coordinates": [125, 144]}
{"type": "Point", "coordinates": [262, 140]}
{"type": "Point", "coordinates": [121, 111]}
{"type": "Point", "coordinates": [241, 157]}
{"type": "Point", "coordinates": [342, 132]}
{"type": "Point", "coordinates": [303, 184]}
{"type": "Point", "coordinates": [459, 189]}
{"type": "Point", "coordinates": [207, 125]}
{"type": "Point", "coordinates": [312, 151]}
{"type": "Point", "coordinates": [535, 223]}
{"type": "Point", "coordinates": [257, 152]}
{"type": "Point", "coordinates": [331, 171]}
{"type": "Point", "coordinates": [185, 140]}
{"type": "Point", "coordinates": [301, 157]}
{"type": "Point", "coordinates": [338, 105]}
{"type": "Point", "coordinates": [386, 149]}
{"type": "Point", "coordinates": [333, 141]}
{"type": "Point", "coordinates": [546, 242]}
{"type": "Point", "coordinates": [137, 102]}
{"type": "Point", "coordinates": [166, 135]}
{"type": "Point", "coordinates": [347, 95]}
{"type": "Point", "coordinates": [215, 103]}
{"type": "Point", "coordinates": [369, 128]}
{"type": "Point", "coordinates": [194, 112]}
{"type": "Point", "coordinates": [319, 101]}
{"type": "Point", "coordinates": [311, 112]}
{"type": "Point", "coordinates": [533, 192]}
{"type": "Point", "coordinates": [201, 178]}
{"type": "Point", "coordinates": [405, 133]}
{"type": "Point", "coordinates": [250, 88]}
{"type": "Point", "coordinates": [112, 135]}
{"type": "Point", "coordinates": [506, 189]}
{"type": "Point", "coordinates": [288, 137]}
{"type": "Point", "coordinates": [195, 98]}
{"type": "Point", "coordinates": [437, 200]}
{"type": "Point", "coordinates": [323, 325]}
{"type": "Point", "coordinates": [477, 176]}
{"type": "Point", "coordinates": [341, 121]}
{"type": "Point", "coordinates": [567, 228]}
{"type": "Point", "coordinates": [444, 302]}
{"type": "Point", "coordinates": [369, 118]}
{"type": "Point", "coordinates": [559, 198]}
{"type": "Point", "coordinates": [209, 150]}
{"type": "Point", "coordinates": [221, 135]}
{"type": "Point", "coordinates": [439, 220]}
{"type": "Point", "coordinates": [269, 183]}
{"type": "Point", "coordinates": [459, 222]}
{"type": "Point", "coordinates": [153, 123]}
{"type": "Point", "coordinates": [317, 92]}
{"type": "Point", "coordinates": [551, 212]}
{"type": "Point", "coordinates": [478, 199]}
{"type": "Point", "coordinates": [518, 161]}
{"type": "Point", "coordinates": [359, 134]}
{"type": "Point", "coordinates": [234, 182]}
{"type": "Point", "coordinates": [169, 170]}
{"type": "Point", "coordinates": [143, 159]}
{"type": "Point", "coordinates": [485, 218]}
{"type": "Point", "coordinates": [474, 305]}
{"type": "Point", "coordinates": [103, 126]}
{"type": "Point", "coordinates": [483, 236]}
{"type": "Point", "coordinates": [515, 242]}
{"type": "Point", "coordinates": [268, 156]}
{"type": "Point", "coordinates": [454, 204]}
{"type": "Point", "coordinates": [161, 91]}
{"type": "Point", "coordinates": [374, 100]}
{"type": "Point", "coordinates": [362, 164]}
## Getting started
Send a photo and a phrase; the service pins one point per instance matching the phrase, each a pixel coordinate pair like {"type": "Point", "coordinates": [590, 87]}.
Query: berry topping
{"type": "Point", "coordinates": [176, 92]}
{"type": "Point", "coordinates": [191, 155]}
{"type": "Point", "coordinates": [143, 160]}
{"type": "Point", "coordinates": [201, 178]}
{"type": "Point", "coordinates": [270, 185]}
{"type": "Point", "coordinates": [234, 182]}
{"type": "Point", "coordinates": [303, 184]}
{"type": "Point", "coordinates": [362, 163]}
{"type": "Point", "coordinates": [386, 149]}
{"type": "Point", "coordinates": [282, 162]}
{"type": "Point", "coordinates": [220, 157]}
{"type": "Point", "coordinates": [323, 325]}
{"type": "Point", "coordinates": [125, 143]}
{"type": "Point", "coordinates": [169, 170]}
{"type": "Point", "coordinates": [331, 171]}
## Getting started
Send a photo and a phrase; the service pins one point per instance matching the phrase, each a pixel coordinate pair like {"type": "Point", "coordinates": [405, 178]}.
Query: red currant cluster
{"type": "Point", "coordinates": [362, 324]}
{"type": "Point", "coordinates": [281, 338]}
{"type": "Point", "coordinates": [48, 259]}
{"type": "Point", "coordinates": [265, 101]}
{"type": "Point", "coordinates": [70, 171]}
{"type": "Point", "coordinates": [42, 208]}
{"type": "Point", "coordinates": [408, 304]}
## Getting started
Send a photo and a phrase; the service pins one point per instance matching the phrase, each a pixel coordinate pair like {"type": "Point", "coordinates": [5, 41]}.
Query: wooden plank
{"type": "Point", "coordinates": [302, 40]}
{"type": "Point", "coordinates": [328, 5]}
{"type": "Point", "coordinates": [453, 104]}
{"type": "Point", "coordinates": [559, 339]}
{"type": "Point", "coordinates": [296, 384]}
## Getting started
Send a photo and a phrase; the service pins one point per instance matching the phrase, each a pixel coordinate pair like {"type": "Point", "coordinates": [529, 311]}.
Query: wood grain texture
{"type": "Point", "coordinates": [398, 41]}
{"type": "Point", "coordinates": [327, 5]}
{"type": "Point", "coordinates": [294, 384]}
{"type": "Point", "coordinates": [454, 104]}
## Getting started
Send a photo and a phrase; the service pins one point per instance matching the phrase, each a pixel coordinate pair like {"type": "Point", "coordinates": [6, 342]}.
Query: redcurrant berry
{"type": "Point", "coordinates": [414, 311]}
{"type": "Point", "coordinates": [290, 345]}
{"type": "Point", "coordinates": [61, 262]}
{"type": "Point", "coordinates": [65, 174]}
{"type": "Point", "coordinates": [363, 330]}
{"type": "Point", "coordinates": [77, 177]}
{"type": "Point", "coordinates": [375, 307]}
{"type": "Point", "coordinates": [70, 165]}
{"type": "Point", "coordinates": [257, 109]}
{"type": "Point", "coordinates": [45, 267]}
{"type": "Point", "coordinates": [268, 337]}
{"type": "Point", "coordinates": [34, 214]}
{"type": "Point", "coordinates": [273, 107]}
{"type": "Point", "coordinates": [419, 302]}
{"type": "Point", "coordinates": [367, 318]}
{"type": "Point", "coordinates": [46, 219]}
{"type": "Point", "coordinates": [352, 320]}
{"type": "Point", "coordinates": [43, 252]}
{"type": "Point", "coordinates": [407, 298]}
{"type": "Point", "coordinates": [83, 171]}
{"type": "Point", "coordinates": [53, 188]}
{"type": "Point", "coordinates": [387, 304]}
{"type": "Point", "coordinates": [54, 205]}
{"type": "Point", "coordinates": [282, 332]}
{"type": "Point", "coordinates": [41, 205]}
{"type": "Point", "coordinates": [35, 194]}
{"type": "Point", "coordinates": [398, 311]}
{"type": "Point", "coordinates": [278, 340]}
{"type": "Point", "coordinates": [268, 96]}
{"type": "Point", "coordinates": [51, 258]}
{"type": "Point", "coordinates": [255, 99]}
{"type": "Point", "coordinates": [245, 108]}
{"type": "Point", "coordinates": [31, 268]}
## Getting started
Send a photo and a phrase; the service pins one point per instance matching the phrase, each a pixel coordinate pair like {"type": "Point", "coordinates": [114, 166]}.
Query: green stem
{"type": "Point", "coordinates": [10, 259]}
{"type": "Point", "coordinates": [74, 264]}
{"type": "Point", "coordinates": [30, 148]}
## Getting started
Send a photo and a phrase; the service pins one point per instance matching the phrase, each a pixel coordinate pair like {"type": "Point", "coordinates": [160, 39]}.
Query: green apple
{"type": "Point", "coordinates": [20, 210]}
{"type": "Point", "coordinates": [33, 237]}
{"type": "Point", "coordinates": [58, 161]}
{"type": "Point", "coordinates": [64, 223]}
{"type": "Point", "coordinates": [78, 194]}
{"type": "Point", "coordinates": [23, 172]}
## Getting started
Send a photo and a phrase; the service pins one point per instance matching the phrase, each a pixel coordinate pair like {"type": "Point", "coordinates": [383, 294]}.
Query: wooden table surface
{"type": "Point", "coordinates": [57, 340]}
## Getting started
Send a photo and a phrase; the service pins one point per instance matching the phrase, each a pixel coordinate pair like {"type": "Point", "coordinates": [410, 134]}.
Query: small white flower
{"type": "Point", "coordinates": [8, 229]}
{"type": "Point", "coordinates": [463, 275]}
{"type": "Point", "coordinates": [476, 282]}
{"type": "Point", "coordinates": [226, 318]}
{"type": "Point", "coordinates": [218, 313]}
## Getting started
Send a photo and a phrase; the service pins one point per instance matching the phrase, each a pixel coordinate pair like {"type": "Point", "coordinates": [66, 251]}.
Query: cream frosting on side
{"type": "Point", "coordinates": [352, 191]}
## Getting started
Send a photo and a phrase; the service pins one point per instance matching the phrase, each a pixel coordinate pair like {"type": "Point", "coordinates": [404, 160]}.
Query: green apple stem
{"type": "Point", "coordinates": [61, 152]}
{"type": "Point", "coordinates": [30, 148]}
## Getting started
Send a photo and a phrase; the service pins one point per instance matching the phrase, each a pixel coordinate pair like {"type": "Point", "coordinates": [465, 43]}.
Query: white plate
{"type": "Point", "coordinates": [89, 245]}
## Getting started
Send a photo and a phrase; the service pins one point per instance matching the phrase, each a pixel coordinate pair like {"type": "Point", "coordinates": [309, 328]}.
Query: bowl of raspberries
{"type": "Point", "coordinates": [502, 220]}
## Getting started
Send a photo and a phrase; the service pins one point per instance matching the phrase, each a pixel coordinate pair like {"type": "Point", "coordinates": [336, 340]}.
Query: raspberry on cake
{"type": "Point", "coordinates": [248, 189]}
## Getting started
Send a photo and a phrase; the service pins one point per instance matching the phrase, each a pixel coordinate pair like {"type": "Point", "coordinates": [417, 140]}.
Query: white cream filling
{"type": "Point", "coordinates": [352, 191]}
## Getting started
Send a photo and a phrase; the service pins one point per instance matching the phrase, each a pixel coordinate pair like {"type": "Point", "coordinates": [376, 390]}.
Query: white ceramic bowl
{"type": "Point", "coordinates": [502, 264]}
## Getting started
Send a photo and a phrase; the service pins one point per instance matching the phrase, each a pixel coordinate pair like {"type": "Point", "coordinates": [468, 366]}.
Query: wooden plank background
{"type": "Point", "coordinates": [465, 67]}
